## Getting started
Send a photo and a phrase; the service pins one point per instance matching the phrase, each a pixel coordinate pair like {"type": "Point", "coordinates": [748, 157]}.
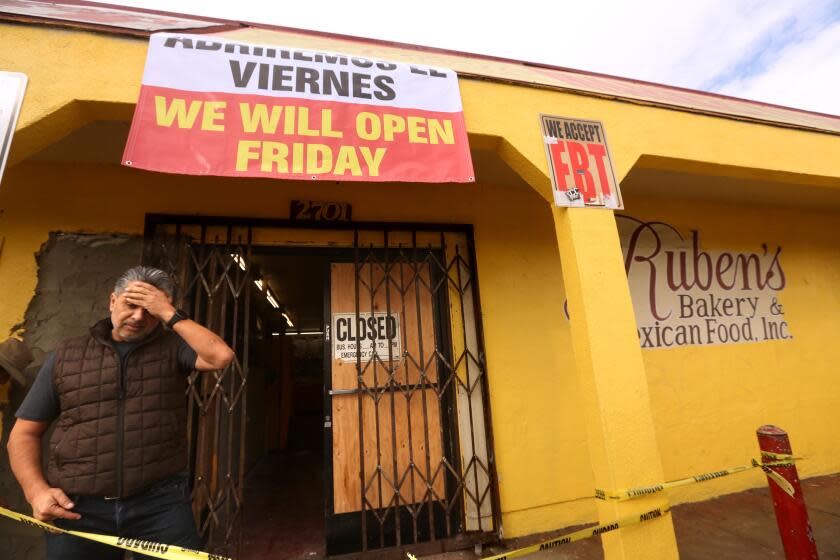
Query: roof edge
{"type": "Point", "coordinates": [231, 25]}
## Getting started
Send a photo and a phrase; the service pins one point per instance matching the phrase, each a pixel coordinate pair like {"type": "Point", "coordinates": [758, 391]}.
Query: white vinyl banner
{"type": "Point", "coordinates": [202, 63]}
{"type": "Point", "coordinates": [687, 295]}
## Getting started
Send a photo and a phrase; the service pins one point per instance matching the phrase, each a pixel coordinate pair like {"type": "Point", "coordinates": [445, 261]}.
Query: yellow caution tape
{"type": "Point", "coordinates": [783, 457]}
{"type": "Point", "coordinates": [639, 491]}
{"type": "Point", "coordinates": [579, 535]}
{"type": "Point", "coordinates": [149, 548]}
{"type": "Point", "coordinates": [776, 477]}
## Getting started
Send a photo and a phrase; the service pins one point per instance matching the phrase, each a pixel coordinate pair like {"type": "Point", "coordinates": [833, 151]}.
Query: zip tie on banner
{"type": "Point", "coordinates": [149, 548]}
{"type": "Point", "coordinates": [579, 535]}
{"type": "Point", "coordinates": [639, 491]}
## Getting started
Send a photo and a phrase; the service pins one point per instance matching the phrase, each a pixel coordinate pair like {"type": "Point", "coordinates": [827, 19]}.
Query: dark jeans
{"type": "Point", "coordinates": [161, 514]}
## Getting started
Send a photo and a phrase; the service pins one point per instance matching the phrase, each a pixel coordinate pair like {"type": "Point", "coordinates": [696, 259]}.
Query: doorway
{"type": "Point", "coordinates": [284, 478]}
{"type": "Point", "coordinates": [355, 417]}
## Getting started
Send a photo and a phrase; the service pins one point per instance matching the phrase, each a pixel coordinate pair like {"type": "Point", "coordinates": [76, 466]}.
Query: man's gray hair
{"type": "Point", "coordinates": [154, 276]}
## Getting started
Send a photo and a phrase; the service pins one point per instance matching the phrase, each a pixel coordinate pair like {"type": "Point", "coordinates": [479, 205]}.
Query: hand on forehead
{"type": "Point", "coordinates": [133, 290]}
{"type": "Point", "coordinates": [141, 291]}
{"type": "Point", "coordinates": [140, 286]}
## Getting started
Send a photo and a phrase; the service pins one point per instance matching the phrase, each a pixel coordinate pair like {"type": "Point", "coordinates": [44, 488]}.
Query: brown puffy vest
{"type": "Point", "coordinates": [117, 434]}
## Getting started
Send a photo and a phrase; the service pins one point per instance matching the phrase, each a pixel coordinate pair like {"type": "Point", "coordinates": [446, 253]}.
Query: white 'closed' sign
{"type": "Point", "coordinates": [367, 335]}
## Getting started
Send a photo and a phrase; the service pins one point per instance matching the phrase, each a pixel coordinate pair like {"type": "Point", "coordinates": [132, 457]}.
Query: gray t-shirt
{"type": "Point", "coordinates": [41, 403]}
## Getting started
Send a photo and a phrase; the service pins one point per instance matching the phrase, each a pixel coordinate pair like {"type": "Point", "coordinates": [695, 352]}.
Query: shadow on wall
{"type": "Point", "coordinates": [76, 274]}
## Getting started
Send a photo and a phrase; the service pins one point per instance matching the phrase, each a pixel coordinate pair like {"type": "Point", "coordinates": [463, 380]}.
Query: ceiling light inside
{"type": "Point", "coordinates": [238, 260]}
{"type": "Point", "coordinates": [288, 320]}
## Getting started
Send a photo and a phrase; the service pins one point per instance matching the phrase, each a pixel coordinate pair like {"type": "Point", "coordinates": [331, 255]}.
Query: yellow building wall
{"type": "Point", "coordinates": [540, 439]}
{"type": "Point", "coordinates": [707, 401]}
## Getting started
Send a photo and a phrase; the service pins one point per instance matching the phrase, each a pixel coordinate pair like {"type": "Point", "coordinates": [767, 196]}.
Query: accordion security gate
{"type": "Point", "coordinates": [217, 292]}
{"type": "Point", "coordinates": [407, 428]}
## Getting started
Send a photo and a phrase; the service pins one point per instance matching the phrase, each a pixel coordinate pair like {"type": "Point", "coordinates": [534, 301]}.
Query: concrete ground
{"type": "Point", "coordinates": [738, 526]}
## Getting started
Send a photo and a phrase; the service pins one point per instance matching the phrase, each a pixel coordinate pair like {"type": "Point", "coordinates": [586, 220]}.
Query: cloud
{"type": "Point", "coordinates": [680, 43]}
{"type": "Point", "coordinates": [804, 74]}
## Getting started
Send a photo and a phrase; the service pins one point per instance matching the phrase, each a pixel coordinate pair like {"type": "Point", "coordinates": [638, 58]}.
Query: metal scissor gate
{"type": "Point", "coordinates": [407, 433]}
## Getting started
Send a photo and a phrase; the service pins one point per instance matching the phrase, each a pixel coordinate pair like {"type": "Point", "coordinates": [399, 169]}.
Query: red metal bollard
{"type": "Point", "coordinates": [791, 515]}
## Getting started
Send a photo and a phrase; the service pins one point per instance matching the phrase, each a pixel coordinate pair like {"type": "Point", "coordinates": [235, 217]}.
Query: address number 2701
{"type": "Point", "coordinates": [311, 210]}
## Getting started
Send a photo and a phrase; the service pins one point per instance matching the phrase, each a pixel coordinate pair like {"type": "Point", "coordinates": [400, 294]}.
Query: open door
{"type": "Point", "coordinates": [212, 271]}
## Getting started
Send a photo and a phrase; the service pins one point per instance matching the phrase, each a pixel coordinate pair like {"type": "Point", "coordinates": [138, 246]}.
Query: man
{"type": "Point", "coordinates": [117, 455]}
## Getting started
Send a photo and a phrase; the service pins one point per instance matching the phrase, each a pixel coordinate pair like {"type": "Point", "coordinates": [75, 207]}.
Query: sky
{"type": "Point", "coordinates": [785, 52]}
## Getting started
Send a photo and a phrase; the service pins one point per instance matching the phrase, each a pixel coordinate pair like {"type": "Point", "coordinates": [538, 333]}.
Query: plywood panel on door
{"type": "Point", "coordinates": [400, 435]}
